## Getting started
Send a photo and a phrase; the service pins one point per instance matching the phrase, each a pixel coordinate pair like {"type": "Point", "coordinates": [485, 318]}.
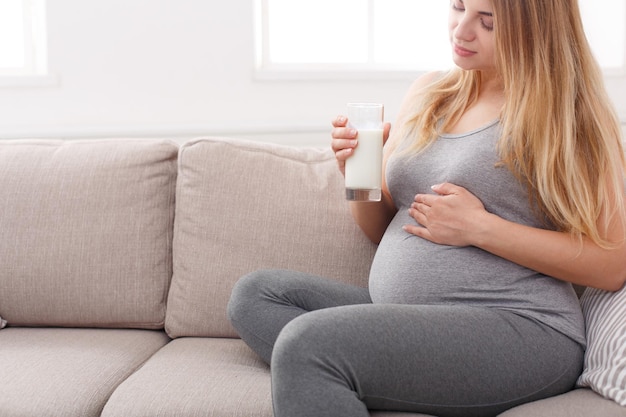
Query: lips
{"type": "Point", "coordinates": [459, 50]}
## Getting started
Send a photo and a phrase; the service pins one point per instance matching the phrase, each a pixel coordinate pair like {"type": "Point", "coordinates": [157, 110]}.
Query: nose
{"type": "Point", "coordinates": [463, 30]}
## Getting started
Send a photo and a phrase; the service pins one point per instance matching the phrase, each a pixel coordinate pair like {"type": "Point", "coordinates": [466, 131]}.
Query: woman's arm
{"type": "Point", "coordinates": [374, 217]}
{"type": "Point", "coordinates": [456, 217]}
{"type": "Point", "coordinates": [556, 254]}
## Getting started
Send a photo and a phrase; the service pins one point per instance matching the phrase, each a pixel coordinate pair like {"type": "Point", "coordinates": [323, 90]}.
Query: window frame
{"type": "Point", "coordinates": [264, 69]}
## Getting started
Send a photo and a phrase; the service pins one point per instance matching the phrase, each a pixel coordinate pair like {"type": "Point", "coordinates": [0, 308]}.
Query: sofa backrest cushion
{"type": "Point", "coordinates": [243, 206]}
{"type": "Point", "coordinates": [86, 232]}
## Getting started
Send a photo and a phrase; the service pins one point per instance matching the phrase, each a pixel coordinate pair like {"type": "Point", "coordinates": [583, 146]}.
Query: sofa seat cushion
{"type": "Point", "coordinates": [243, 206]}
{"type": "Point", "coordinates": [578, 403]}
{"type": "Point", "coordinates": [193, 377]}
{"type": "Point", "coordinates": [87, 229]}
{"type": "Point", "coordinates": [57, 372]}
{"type": "Point", "coordinates": [200, 377]}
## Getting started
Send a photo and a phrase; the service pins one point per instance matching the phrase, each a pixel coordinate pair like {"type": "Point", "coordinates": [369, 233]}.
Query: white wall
{"type": "Point", "coordinates": [177, 68]}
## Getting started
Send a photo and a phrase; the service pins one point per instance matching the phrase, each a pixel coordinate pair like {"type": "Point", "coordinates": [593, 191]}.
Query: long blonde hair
{"type": "Point", "coordinates": [560, 134]}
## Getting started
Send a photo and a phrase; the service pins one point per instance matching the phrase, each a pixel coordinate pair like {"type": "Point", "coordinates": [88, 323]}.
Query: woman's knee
{"type": "Point", "coordinates": [293, 344]}
{"type": "Point", "coordinates": [254, 289]}
{"type": "Point", "coordinates": [246, 290]}
{"type": "Point", "coordinates": [309, 337]}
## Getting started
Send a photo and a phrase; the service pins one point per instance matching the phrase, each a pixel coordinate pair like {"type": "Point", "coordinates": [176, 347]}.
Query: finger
{"type": "Point", "coordinates": [421, 208]}
{"type": "Point", "coordinates": [341, 144]}
{"type": "Point", "coordinates": [343, 154]}
{"type": "Point", "coordinates": [446, 188]}
{"type": "Point", "coordinates": [426, 199]}
{"type": "Point", "coordinates": [417, 213]}
{"type": "Point", "coordinates": [344, 133]}
{"type": "Point", "coordinates": [340, 121]}
{"type": "Point", "coordinates": [418, 231]}
{"type": "Point", "coordinates": [341, 157]}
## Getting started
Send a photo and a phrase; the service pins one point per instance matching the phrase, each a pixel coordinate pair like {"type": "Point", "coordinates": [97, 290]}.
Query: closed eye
{"type": "Point", "coordinates": [486, 26]}
{"type": "Point", "coordinates": [486, 20]}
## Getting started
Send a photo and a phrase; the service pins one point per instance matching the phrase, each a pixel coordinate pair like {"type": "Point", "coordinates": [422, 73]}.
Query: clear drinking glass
{"type": "Point", "coordinates": [363, 173]}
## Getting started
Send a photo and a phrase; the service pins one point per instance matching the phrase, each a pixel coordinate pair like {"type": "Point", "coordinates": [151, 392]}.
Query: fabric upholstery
{"type": "Point", "coordinates": [87, 229]}
{"type": "Point", "coordinates": [243, 206]}
{"type": "Point", "coordinates": [577, 403]}
{"type": "Point", "coordinates": [196, 377]}
{"type": "Point", "coordinates": [200, 377]}
{"type": "Point", "coordinates": [57, 372]}
{"type": "Point", "coordinates": [605, 358]}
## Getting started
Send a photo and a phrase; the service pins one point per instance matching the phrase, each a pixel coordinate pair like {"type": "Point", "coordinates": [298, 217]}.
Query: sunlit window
{"type": "Point", "coordinates": [605, 25]}
{"type": "Point", "coordinates": [394, 35]}
{"type": "Point", "coordinates": [22, 37]}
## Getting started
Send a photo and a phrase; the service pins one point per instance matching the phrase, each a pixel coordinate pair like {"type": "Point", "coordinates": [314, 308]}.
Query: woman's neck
{"type": "Point", "coordinates": [491, 84]}
{"type": "Point", "coordinates": [485, 109]}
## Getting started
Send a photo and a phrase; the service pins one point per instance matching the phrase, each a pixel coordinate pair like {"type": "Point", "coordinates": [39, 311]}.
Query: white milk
{"type": "Point", "coordinates": [364, 167]}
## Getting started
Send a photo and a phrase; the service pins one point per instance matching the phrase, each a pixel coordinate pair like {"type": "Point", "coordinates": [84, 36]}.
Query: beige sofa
{"type": "Point", "coordinates": [117, 259]}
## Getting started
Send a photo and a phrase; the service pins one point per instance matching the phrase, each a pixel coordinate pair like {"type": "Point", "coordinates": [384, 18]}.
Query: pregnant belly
{"type": "Point", "coordinates": [411, 270]}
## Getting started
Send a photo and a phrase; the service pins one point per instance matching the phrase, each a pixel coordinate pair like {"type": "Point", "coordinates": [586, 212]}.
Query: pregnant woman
{"type": "Point", "coordinates": [503, 184]}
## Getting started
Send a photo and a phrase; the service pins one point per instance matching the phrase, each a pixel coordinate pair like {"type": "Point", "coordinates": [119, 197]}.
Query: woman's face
{"type": "Point", "coordinates": [471, 34]}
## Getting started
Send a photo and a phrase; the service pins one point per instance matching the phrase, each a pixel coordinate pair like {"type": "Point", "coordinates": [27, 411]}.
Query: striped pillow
{"type": "Point", "coordinates": [605, 359]}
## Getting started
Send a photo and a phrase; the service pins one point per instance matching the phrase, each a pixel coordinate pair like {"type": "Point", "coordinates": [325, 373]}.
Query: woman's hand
{"type": "Point", "coordinates": [344, 140]}
{"type": "Point", "coordinates": [456, 217]}
{"type": "Point", "coordinates": [450, 217]}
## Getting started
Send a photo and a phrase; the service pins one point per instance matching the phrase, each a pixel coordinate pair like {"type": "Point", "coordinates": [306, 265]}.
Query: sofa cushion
{"type": "Point", "coordinates": [605, 359]}
{"type": "Point", "coordinates": [68, 372]}
{"type": "Point", "coordinates": [87, 229]}
{"type": "Point", "coordinates": [196, 377]}
{"type": "Point", "coordinates": [577, 403]}
{"type": "Point", "coordinates": [243, 206]}
{"type": "Point", "coordinates": [200, 377]}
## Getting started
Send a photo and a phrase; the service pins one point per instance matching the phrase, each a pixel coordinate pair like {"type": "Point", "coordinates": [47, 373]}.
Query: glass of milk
{"type": "Point", "coordinates": [363, 173]}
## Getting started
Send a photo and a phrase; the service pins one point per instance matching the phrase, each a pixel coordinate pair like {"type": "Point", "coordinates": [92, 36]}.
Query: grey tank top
{"type": "Point", "coordinates": [411, 270]}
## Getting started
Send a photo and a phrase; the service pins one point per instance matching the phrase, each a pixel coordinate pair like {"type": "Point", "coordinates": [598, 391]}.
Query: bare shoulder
{"type": "Point", "coordinates": [425, 80]}
{"type": "Point", "coordinates": [418, 85]}
{"type": "Point", "coordinates": [408, 104]}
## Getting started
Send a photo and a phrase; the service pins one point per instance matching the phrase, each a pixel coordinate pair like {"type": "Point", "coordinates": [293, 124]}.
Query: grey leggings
{"type": "Point", "coordinates": [334, 353]}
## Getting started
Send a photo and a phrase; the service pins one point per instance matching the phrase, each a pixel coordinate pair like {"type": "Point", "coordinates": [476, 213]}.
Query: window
{"type": "Point", "coordinates": [606, 30]}
{"type": "Point", "coordinates": [340, 36]}
{"type": "Point", "coordinates": [22, 38]}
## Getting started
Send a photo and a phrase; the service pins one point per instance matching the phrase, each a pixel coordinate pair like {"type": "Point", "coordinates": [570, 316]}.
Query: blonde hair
{"type": "Point", "coordinates": [560, 134]}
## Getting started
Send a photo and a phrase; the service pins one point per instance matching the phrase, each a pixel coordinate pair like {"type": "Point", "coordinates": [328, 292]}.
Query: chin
{"type": "Point", "coordinates": [463, 64]}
